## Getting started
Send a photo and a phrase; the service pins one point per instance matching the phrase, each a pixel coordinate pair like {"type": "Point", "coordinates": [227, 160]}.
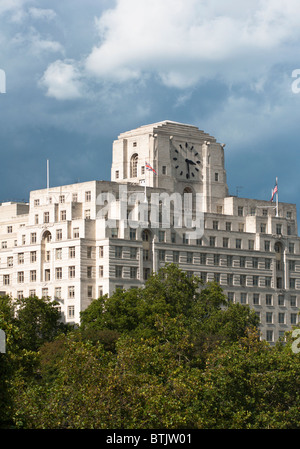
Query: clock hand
{"type": "Point", "coordinates": [188, 161]}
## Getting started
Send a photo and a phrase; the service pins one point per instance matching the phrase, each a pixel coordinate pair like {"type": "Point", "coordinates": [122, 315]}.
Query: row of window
{"type": "Point", "coordinates": [258, 299]}
{"type": "Point", "coordinates": [62, 198]}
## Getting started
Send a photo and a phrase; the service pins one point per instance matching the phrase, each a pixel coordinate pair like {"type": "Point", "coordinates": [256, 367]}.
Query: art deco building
{"type": "Point", "coordinates": [77, 242]}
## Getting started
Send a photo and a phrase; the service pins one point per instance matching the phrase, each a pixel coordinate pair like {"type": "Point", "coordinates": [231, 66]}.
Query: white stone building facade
{"type": "Point", "coordinates": [77, 242]}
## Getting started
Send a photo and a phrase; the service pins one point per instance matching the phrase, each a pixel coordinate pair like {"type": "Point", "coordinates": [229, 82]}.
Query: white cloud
{"type": "Point", "coordinates": [62, 80]}
{"type": "Point", "coordinates": [184, 41]}
{"type": "Point", "coordinates": [39, 13]}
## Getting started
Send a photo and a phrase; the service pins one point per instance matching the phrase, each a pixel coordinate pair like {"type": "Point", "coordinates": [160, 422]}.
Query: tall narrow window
{"type": "Point", "coordinates": [133, 166]}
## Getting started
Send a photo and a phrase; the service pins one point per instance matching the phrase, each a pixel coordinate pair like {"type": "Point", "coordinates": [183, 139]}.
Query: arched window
{"type": "Point", "coordinates": [133, 165]}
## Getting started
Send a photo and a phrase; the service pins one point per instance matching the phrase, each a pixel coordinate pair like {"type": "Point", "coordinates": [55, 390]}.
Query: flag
{"type": "Point", "coordinates": [148, 167]}
{"type": "Point", "coordinates": [275, 190]}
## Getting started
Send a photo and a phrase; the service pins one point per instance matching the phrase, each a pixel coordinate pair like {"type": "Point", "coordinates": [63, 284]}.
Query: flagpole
{"type": "Point", "coordinates": [145, 187]}
{"type": "Point", "coordinates": [277, 197]}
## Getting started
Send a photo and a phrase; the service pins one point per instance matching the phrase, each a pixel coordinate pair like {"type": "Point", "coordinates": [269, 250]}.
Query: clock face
{"type": "Point", "coordinates": [186, 161]}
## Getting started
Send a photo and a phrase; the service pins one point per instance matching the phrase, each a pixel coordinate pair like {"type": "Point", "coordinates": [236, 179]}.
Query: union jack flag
{"type": "Point", "coordinates": [148, 167]}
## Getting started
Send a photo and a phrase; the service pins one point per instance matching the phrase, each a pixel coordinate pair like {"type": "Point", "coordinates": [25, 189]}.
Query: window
{"type": "Point", "coordinates": [243, 298]}
{"type": "Point", "coordinates": [217, 277]}
{"type": "Point", "coordinates": [89, 272]}
{"type": "Point", "coordinates": [269, 335]}
{"type": "Point", "coordinates": [230, 279]}
{"type": "Point", "coordinates": [9, 229]}
{"type": "Point", "coordinates": [100, 291]}
{"type": "Point", "coordinates": [118, 252]}
{"type": "Point", "coordinates": [33, 237]}
{"type": "Point", "coordinates": [265, 212]}
{"type": "Point", "coordinates": [243, 279]}
{"type": "Point", "coordinates": [230, 296]}
{"type": "Point", "coordinates": [269, 300]}
{"type": "Point", "coordinates": [292, 283]}
{"type": "Point", "coordinates": [90, 291]}
{"type": "Point", "coordinates": [146, 273]}
{"type": "Point", "coordinates": [36, 219]}
{"type": "Point", "coordinates": [133, 165]}
{"type": "Point", "coordinates": [10, 261]}
{"type": "Point", "coordinates": [228, 226]}
{"type": "Point", "coordinates": [88, 196]}
{"type": "Point", "coordinates": [32, 293]}
{"type": "Point", "coordinates": [281, 317]}
{"type": "Point", "coordinates": [185, 239]}
{"type": "Point", "coordinates": [278, 228]}
{"type": "Point", "coordinates": [189, 257]}
{"type": "Point", "coordinates": [133, 272]}
{"type": "Point", "coordinates": [293, 301]}
{"type": "Point", "coordinates": [241, 227]}
{"type": "Point", "coordinates": [215, 225]}
{"type": "Point", "coordinates": [281, 300]}
{"type": "Point", "coordinates": [203, 276]}
{"type": "Point", "coordinates": [4, 245]}
{"type": "Point", "coordinates": [293, 318]}
{"type": "Point", "coordinates": [255, 281]}
{"type": "Point", "coordinates": [162, 255]}
{"type": "Point", "coordinates": [254, 262]}
{"type": "Point", "coordinates": [240, 211]}
{"type": "Point", "coordinates": [267, 245]}
{"type": "Point", "coordinates": [242, 261]}
{"type": "Point", "coordinates": [87, 214]}
{"type": "Point", "coordinates": [238, 243]}
{"type": "Point", "coordinates": [6, 279]}
{"type": "Point", "coordinates": [71, 272]}
{"type": "Point", "coordinates": [75, 197]}
{"type": "Point", "coordinates": [263, 228]}
{"type": "Point", "coordinates": [32, 256]}
{"type": "Point", "coordinates": [47, 275]}
{"type": "Point", "coordinates": [225, 242]}
{"type": "Point", "coordinates": [202, 258]}
{"type": "Point", "coordinates": [164, 170]}
{"type": "Point", "coordinates": [57, 292]}
{"type": "Point", "coordinates": [251, 245]}
{"type": "Point", "coordinates": [20, 277]}
{"type": "Point", "coordinates": [46, 217]}
{"type": "Point", "coordinates": [72, 252]}
{"type": "Point", "coordinates": [101, 271]}
{"type": "Point", "coordinates": [118, 271]}
{"type": "Point", "coordinates": [101, 251]}
{"type": "Point", "coordinates": [216, 259]}
{"type": "Point", "coordinates": [145, 254]}
{"type": "Point", "coordinates": [71, 292]}
{"type": "Point", "coordinates": [268, 281]}
{"type": "Point", "coordinates": [58, 273]}
{"type": "Point", "coordinates": [63, 215]}
{"type": "Point", "coordinates": [291, 248]}
{"type": "Point", "coordinates": [132, 234]}
{"type": "Point", "coordinates": [269, 317]}
{"type": "Point", "coordinates": [20, 258]}
{"type": "Point", "coordinates": [89, 250]}
{"type": "Point", "coordinates": [292, 265]}
{"type": "Point", "coordinates": [20, 294]}
{"type": "Point", "coordinates": [229, 261]}
{"type": "Point", "coordinates": [36, 202]}
{"type": "Point", "coordinates": [62, 199]}
{"type": "Point", "coordinates": [267, 264]}
{"type": "Point", "coordinates": [71, 312]}
{"type": "Point", "coordinates": [133, 253]}
{"type": "Point", "coordinates": [212, 241]}
{"type": "Point", "coordinates": [58, 253]}
{"type": "Point", "coordinates": [173, 237]}
{"type": "Point", "coordinates": [216, 177]}
{"type": "Point", "coordinates": [58, 234]}
{"type": "Point", "coordinates": [256, 299]}
{"type": "Point", "coordinates": [76, 233]}
{"type": "Point", "coordinates": [161, 236]}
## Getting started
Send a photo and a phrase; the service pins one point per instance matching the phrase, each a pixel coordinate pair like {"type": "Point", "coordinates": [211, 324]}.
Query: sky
{"type": "Point", "coordinates": [80, 72]}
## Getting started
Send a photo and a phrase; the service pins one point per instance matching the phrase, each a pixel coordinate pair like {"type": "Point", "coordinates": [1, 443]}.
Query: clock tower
{"type": "Point", "coordinates": [183, 157]}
